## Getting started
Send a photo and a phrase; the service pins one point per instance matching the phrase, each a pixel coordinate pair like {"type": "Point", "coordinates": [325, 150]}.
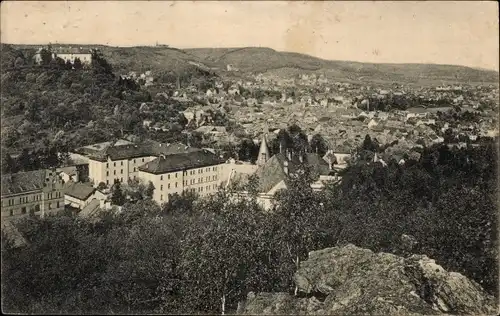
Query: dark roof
{"type": "Point", "coordinates": [79, 190]}
{"type": "Point", "coordinates": [181, 161]}
{"type": "Point", "coordinates": [21, 182]}
{"type": "Point", "coordinates": [271, 173]}
{"type": "Point", "coordinates": [90, 209]}
{"type": "Point", "coordinates": [149, 148]}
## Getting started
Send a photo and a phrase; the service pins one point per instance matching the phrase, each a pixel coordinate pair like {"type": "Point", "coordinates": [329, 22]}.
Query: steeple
{"type": "Point", "coordinates": [263, 151]}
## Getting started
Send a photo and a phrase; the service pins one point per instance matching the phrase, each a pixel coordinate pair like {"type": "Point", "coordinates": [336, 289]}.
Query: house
{"type": "Point", "coordinates": [37, 192]}
{"type": "Point", "coordinates": [67, 54]}
{"type": "Point", "coordinates": [13, 234]}
{"type": "Point", "coordinates": [274, 175]}
{"type": "Point", "coordinates": [121, 160]}
{"type": "Point", "coordinates": [197, 171]}
{"type": "Point", "coordinates": [68, 174]}
{"type": "Point", "coordinates": [79, 195]}
{"type": "Point", "coordinates": [372, 123]}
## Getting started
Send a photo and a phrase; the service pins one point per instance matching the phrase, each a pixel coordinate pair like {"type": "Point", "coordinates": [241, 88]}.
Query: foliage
{"type": "Point", "coordinates": [117, 196]}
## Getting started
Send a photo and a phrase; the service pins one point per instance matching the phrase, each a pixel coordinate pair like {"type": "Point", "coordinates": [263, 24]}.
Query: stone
{"type": "Point", "coordinates": [352, 280]}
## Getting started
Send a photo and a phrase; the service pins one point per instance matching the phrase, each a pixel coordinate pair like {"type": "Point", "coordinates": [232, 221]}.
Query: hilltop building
{"type": "Point", "coordinates": [36, 193]}
{"type": "Point", "coordinates": [67, 54]}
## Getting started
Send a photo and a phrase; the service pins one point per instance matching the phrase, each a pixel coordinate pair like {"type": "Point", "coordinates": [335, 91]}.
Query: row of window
{"type": "Point", "coordinates": [36, 208]}
{"type": "Point", "coordinates": [57, 195]}
{"type": "Point", "coordinates": [25, 199]}
{"type": "Point", "coordinates": [168, 186]}
{"type": "Point", "coordinates": [168, 176]}
{"type": "Point", "coordinates": [121, 163]}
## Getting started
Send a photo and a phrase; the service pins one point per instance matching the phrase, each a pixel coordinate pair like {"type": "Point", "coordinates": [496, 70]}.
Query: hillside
{"type": "Point", "coordinates": [285, 64]}
{"type": "Point", "coordinates": [254, 59]}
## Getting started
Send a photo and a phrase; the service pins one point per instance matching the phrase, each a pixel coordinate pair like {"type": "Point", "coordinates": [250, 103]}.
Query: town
{"type": "Point", "coordinates": [153, 179]}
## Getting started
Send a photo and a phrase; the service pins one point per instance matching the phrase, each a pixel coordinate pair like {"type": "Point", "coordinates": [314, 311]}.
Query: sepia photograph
{"type": "Point", "coordinates": [249, 157]}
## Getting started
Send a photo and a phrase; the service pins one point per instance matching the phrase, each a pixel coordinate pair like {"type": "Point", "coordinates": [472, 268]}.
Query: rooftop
{"type": "Point", "coordinates": [21, 182]}
{"type": "Point", "coordinates": [79, 190]}
{"type": "Point", "coordinates": [181, 161]}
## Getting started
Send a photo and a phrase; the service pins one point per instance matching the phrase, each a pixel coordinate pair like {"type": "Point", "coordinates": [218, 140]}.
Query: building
{"type": "Point", "coordinates": [79, 195]}
{"type": "Point", "coordinates": [36, 192]}
{"type": "Point", "coordinates": [274, 175]}
{"type": "Point", "coordinates": [172, 168]}
{"type": "Point", "coordinates": [263, 151]}
{"type": "Point", "coordinates": [197, 171]}
{"type": "Point", "coordinates": [67, 54]}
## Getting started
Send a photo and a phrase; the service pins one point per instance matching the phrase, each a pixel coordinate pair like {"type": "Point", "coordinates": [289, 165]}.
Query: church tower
{"type": "Point", "coordinates": [263, 151]}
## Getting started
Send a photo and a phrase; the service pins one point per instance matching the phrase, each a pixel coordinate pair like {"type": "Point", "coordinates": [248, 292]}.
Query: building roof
{"type": "Point", "coordinates": [13, 234]}
{"type": "Point", "coordinates": [90, 209]}
{"type": "Point", "coordinates": [181, 161]}
{"type": "Point", "coordinates": [272, 172]}
{"type": "Point", "coordinates": [21, 182]}
{"type": "Point", "coordinates": [71, 170]}
{"type": "Point", "coordinates": [121, 150]}
{"type": "Point", "coordinates": [79, 190]}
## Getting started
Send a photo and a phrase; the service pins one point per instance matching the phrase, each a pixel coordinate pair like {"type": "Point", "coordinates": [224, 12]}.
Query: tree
{"type": "Point", "coordinates": [46, 56]}
{"type": "Point", "coordinates": [318, 145]}
{"type": "Point", "coordinates": [117, 196]}
{"type": "Point", "coordinates": [77, 64]}
{"type": "Point", "coordinates": [150, 190]}
{"type": "Point", "coordinates": [101, 186]}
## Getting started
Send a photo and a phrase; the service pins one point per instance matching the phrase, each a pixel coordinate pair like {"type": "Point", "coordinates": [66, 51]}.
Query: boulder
{"type": "Point", "coordinates": [352, 280]}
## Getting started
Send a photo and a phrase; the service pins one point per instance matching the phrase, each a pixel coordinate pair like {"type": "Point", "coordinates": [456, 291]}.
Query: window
{"type": "Point", "coordinates": [176, 184]}
{"type": "Point", "coordinates": [114, 164]}
{"type": "Point", "coordinates": [161, 197]}
{"type": "Point", "coordinates": [161, 178]}
{"type": "Point", "coordinates": [134, 160]}
{"type": "Point", "coordinates": [50, 206]}
{"type": "Point", "coordinates": [107, 173]}
{"type": "Point", "coordinates": [57, 204]}
{"type": "Point", "coordinates": [142, 159]}
{"type": "Point", "coordinates": [168, 176]}
{"type": "Point", "coordinates": [134, 169]}
{"type": "Point", "coordinates": [161, 187]}
{"type": "Point", "coordinates": [107, 182]}
{"type": "Point", "coordinates": [23, 210]}
{"type": "Point", "coordinates": [168, 186]}
{"type": "Point", "coordinates": [114, 172]}
{"type": "Point", "coordinates": [107, 164]}
{"type": "Point", "coordinates": [176, 174]}
{"type": "Point", "coordinates": [11, 212]}
{"type": "Point", "coordinates": [20, 200]}
{"type": "Point", "coordinates": [121, 163]}
{"type": "Point", "coordinates": [121, 179]}
{"type": "Point", "coordinates": [121, 171]}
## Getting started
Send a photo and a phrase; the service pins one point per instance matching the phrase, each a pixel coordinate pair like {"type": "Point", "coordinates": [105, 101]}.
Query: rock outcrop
{"type": "Point", "coordinates": [350, 280]}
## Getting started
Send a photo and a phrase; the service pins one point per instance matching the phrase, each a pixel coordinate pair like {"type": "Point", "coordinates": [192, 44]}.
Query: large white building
{"type": "Point", "coordinates": [67, 54]}
{"type": "Point", "coordinates": [172, 168]}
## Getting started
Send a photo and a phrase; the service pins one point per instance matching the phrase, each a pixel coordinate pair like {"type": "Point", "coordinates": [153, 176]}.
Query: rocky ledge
{"type": "Point", "coordinates": [351, 280]}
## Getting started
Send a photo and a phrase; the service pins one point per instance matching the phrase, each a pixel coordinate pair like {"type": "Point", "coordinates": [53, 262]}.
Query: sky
{"type": "Point", "coordinates": [461, 33]}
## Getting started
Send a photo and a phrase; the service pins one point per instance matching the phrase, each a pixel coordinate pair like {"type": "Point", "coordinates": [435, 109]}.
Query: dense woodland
{"type": "Point", "coordinates": [198, 255]}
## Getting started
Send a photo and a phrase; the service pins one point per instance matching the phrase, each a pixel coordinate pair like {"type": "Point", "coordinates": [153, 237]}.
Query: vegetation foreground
{"type": "Point", "coordinates": [198, 255]}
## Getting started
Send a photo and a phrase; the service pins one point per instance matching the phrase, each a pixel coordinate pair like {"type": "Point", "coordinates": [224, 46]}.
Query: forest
{"type": "Point", "coordinates": [195, 255]}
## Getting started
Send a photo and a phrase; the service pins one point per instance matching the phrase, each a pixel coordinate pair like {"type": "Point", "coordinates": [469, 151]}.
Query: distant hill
{"type": "Point", "coordinates": [286, 64]}
{"type": "Point", "coordinates": [253, 59]}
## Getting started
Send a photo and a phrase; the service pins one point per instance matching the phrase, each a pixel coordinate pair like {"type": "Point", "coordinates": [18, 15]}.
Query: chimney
{"type": "Point", "coordinates": [285, 167]}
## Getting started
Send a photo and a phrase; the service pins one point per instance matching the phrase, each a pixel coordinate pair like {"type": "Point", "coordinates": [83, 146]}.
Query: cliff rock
{"type": "Point", "coordinates": [352, 280]}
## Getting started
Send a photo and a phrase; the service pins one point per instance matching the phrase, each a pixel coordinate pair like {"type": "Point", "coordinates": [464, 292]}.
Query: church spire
{"type": "Point", "coordinates": [263, 151]}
